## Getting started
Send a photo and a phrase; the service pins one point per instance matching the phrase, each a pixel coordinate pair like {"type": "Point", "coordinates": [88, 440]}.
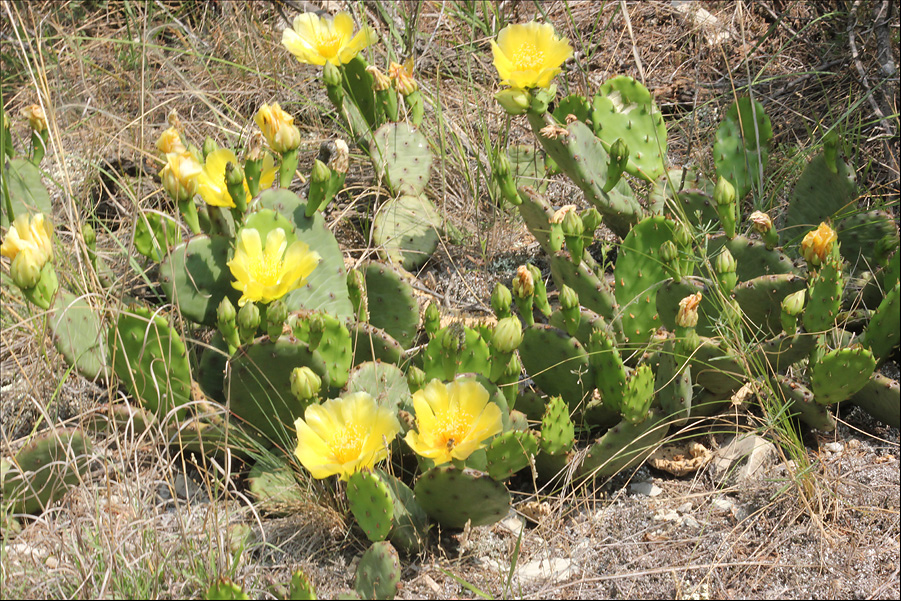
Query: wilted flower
{"type": "Point", "coordinates": [179, 175]}
{"type": "Point", "coordinates": [762, 222]}
{"type": "Point", "coordinates": [818, 243]}
{"type": "Point", "coordinates": [380, 81]}
{"type": "Point", "coordinates": [266, 274]}
{"type": "Point", "coordinates": [170, 142]}
{"type": "Point", "coordinates": [36, 117]}
{"type": "Point", "coordinates": [687, 317]}
{"type": "Point", "coordinates": [529, 55]}
{"type": "Point", "coordinates": [28, 244]}
{"type": "Point", "coordinates": [317, 40]}
{"type": "Point", "coordinates": [523, 282]}
{"type": "Point", "coordinates": [211, 180]}
{"type": "Point", "coordinates": [452, 420]}
{"type": "Point", "coordinates": [278, 127]}
{"type": "Point", "coordinates": [403, 76]}
{"type": "Point", "coordinates": [344, 435]}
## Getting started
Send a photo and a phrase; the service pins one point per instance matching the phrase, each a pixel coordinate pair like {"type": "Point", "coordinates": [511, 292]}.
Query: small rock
{"type": "Point", "coordinates": [834, 447]}
{"type": "Point", "coordinates": [684, 507]}
{"type": "Point", "coordinates": [646, 488]}
{"type": "Point", "coordinates": [690, 522]}
{"type": "Point", "coordinates": [557, 568]}
{"type": "Point", "coordinates": [754, 452]}
{"type": "Point", "coordinates": [723, 503]}
{"type": "Point", "coordinates": [512, 523]}
{"type": "Point", "coordinates": [666, 515]}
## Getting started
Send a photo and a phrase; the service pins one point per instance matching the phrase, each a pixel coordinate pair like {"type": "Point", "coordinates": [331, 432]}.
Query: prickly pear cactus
{"type": "Point", "coordinates": [27, 192]}
{"type": "Point", "coordinates": [819, 194]}
{"type": "Point", "coordinates": [840, 373]}
{"type": "Point", "coordinates": [742, 145]}
{"type": "Point", "coordinates": [378, 572]}
{"type": "Point", "coordinates": [195, 277]}
{"type": "Point", "coordinates": [405, 230]}
{"type": "Point", "coordinates": [402, 157]}
{"type": "Point", "coordinates": [510, 452]}
{"type": "Point", "coordinates": [371, 503]}
{"type": "Point", "coordinates": [384, 382]}
{"type": "Point", "coordinates": [453, 496]}
{"type": "Point", "coordinates": [392, 305]}
{"type": "Point", "coordinates": [79, 335]}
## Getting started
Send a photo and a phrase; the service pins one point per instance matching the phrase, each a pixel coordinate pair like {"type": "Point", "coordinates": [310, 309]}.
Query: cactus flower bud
{"type": "Point", "coordinates": [792, 306]}
{"type": "Point", "coordinates": [248, 321]}
{"type": "Point", "coordinates": [501, 300]}
{"type": "Point", "coordinates": [226, 312]}
{"type": "Point", "coordinates": [619, 158]}
{"type": "Point", "coordinates": [431, 320]}
{"type": "Point", "coordinates": [320, 173]}
{"type": "Point", "coordinates": [725, 268]}
{"type": "Point", "coordinates": [415, 378]}
{"type": "Point", "coordinates": [209, 146]}
{"type": "Point", "coordinates": [331, 74]}
{"type": "Point", "coordinates": [25, 269]}
{"type": "Point", "coordinates": [724, 192]}
{"type": "Point", "coordinates": [226, 318]}
{"type": "Point", "coordinates": [764, 226]}
{"type": "Point", "coordinates": [569, 298]}
{"type": "Point", "coordinates": [572, 225]}
{"type": "Point", "coordinates": [817, 244]}
{"type": "Point", "coordinates": [668, 251]}
{"type": "Point", "coordinates": [507, 335]}
{"type": "Point", "coordinates": [591, 219]}
{"type": "Point", "coordinates": [276, 314]}
{"type": "Point", "coordinates": [570, 309]}
{"type": "Point", "coordinates": [687, 317]}
{"type": "Point", "coordinates": [513, 100]}
{"type": "Point", "coordinates": [380, 81]}
{"type": "Point", "coordinates": [305, 384]}
{"type": "Point", "coordinates": [540, 295]}
{"type": "Point", "coordinates": [726, 207]}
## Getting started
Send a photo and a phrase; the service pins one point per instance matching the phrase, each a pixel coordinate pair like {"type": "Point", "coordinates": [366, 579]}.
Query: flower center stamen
{"type": "Point", "coordinates": [267, 269]}
{"type": "Point", "coordinates": [528, 57]}
{"type": "Point", "coordinates": [348, 442]}
{"type": "Point", "coordinates": [454, 429]}
{"type": "Point", "coordinates": [328, 43]}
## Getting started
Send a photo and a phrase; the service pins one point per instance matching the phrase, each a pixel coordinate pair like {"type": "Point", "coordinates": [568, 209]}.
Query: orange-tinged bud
{"type": "Point", "coordinates": [170, 142]}
{"type": "Point", "coordinates": [36, 117]}
{"type": "Point", "coordinates": [278, 127]}
{"type": "Point", "coordinates": [403, 77]}
{"type": "Point", "coordinates": [523, 283]}
{"type": "Point", "coordinates": [380, 81]}
{"type": "Point", "coordinates": [762, 222]}
{"type": "Point", "coordinates": [687, 317]}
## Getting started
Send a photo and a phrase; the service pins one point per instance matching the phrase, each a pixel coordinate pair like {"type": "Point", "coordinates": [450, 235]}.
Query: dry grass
{"type": "Point", "coordinates": [108, 73]}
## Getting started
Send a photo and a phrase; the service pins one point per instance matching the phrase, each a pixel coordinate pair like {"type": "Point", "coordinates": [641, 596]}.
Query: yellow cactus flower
{"type": "Point", "coordinates": [278, 127]}
{"type": "Point", "coordinates": [264, 274]}
{"type": "Point", "coordinates": [403, 76]}
{"type": "Point", "coordinates": [179, 175]}
{"type": "Point", "coordinates": [316, 40]}
{"type": "Point", "coordinates": [344, 435]}
{"type": "Point", "coordinates": [818, 243]}
{"type": "Point", "coordinates": [453, 420]}
{"type": "Point", "coordinates": [211, 180]}
{"type": "Point", "coordinates": [170, 142]}
{"type": "Point", "coordinates": [31, 235]}
{"type": "Point", "coordinates": [529, 55]}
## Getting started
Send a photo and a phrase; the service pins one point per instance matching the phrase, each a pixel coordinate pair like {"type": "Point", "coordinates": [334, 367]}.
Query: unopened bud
{"type": "Point", "coordinates": [793, 304]}
{"type": "Point", "coordinates": [513, 100]}
{"type": "Point", "coordinates": [331, 74]}
{"type": "Point", "coordinates": [305, 383]}
{"type": "Point", "coordinates": [724, 192]}
{"type": "Point", "coordinates": [669, 252]}
{"type": "Point", "coordinates": [501, 301]}
{"type": "Point", "coordinates": [36, 117]}
{"type": "Point", "coordinates": [569, 298]}
{"type": "Point", "coordinates": [209, 147]}
{"type": "Point", "coordinates": [321, 173]}
{"type": "Point", "coordinates": [380, 81]}
{"type": "Point", "coordinates": [507, 335]}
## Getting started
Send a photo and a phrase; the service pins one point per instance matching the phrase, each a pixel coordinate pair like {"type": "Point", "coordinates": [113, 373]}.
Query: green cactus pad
{"type": "Point", "coordinates": [638, 395]}
{"type": "Point", "coordinates": [404, 230]}
{"type": "Point", "coordinates": [371, 343]}
{"type": "Point", "coordinates": [609, 372]}
{"type": "Point", "coordinates": [510, 452]}
{"type": "Point", "coordinates": [453, 497]}
{"type": "Point", "coordinates": [706, 403]}
{"type": "Point", "coordinates": [623, 446]}
{"type": "Point", "coordinates": [753, 257]}
{"type": "Point", "coordinates": [225, 590]}
{"type": "Point", "coordinates": [79, 335]}
{"type": "Point", "coordinates": [881, 335]}
{"type": "Point", "coordinates": [357, 85]}
{"type": "Point", "coordinates": [820, 195]}
{"type": "Point", "coordinates": [868, 239]}
{"type": "Point", "coordinates": [385, 382]}
{"type": "Point", "coordinates": [742, 145]}
{"type": "Point", "coordinates": [626, 109]}
{"type": "Point", "coordinates": [474, 357]}
{"type": "Point", "coordinates": [638, 274]}
{"type": "Point", "coordinates": [840, 373]}
{"type": "Point", "coordinates": [259, 389]}
{"type": "Point", "coordinates": [557, 429]}
{"type": "Point", "coordinates": [588, 322]}
{"type": "Point", "coordinates": [760, 300]}
{"type": "Point", "coordinates": [392, 305]}
{"type": "Point", "coordinates": [557, 362]}
{"type": "Point", "coordinates": [411, 522]}
{"type": "Point", "coordinates": [401, 156]}
{"type": "Point", "coordinates": [371, 503]}
{"type": "Point", "coordinates": [45, 468]}
{"type": "Point", "coordinates": [301, 587]}
{"type": "Point", "coordinates": [378, 573]}
{"type": "Point", "coordinates": [27, 192]}
{"type": "Point", "coordinates": [210, 371]}
{"type": "Point", "coordinates": [719, 371]}
{"type": "Point", "coordinates": [686, 194]}
{"type": "Point", "coordinates": [326, 288]}
{"type": "Point", "coordinates": [537, 213]}
{"type": "Point", "coordinates": [151, 360]}
{"type": "Point", "coordinates": [582, 157]}
{"type": "Point", "coordinates": [155, 233]}
{"type": "Point", "coordinates": [673, 385]}
{"type": "Point", "coordinates": [575, 105]}
{"type": "Point", "coordinates": [195, 277]}
{"type": "Point", "coordinates": [594, 291]}
{"type": "Point", "coordinates": [334, 344]}
{"type": "Point", "coordinates": [881, 398]}
{"type": "Point", "coordinates": [783, 350]}
{"type": "Point", "coordinates": [802, 404]}
{"type": "Point", "coordinates": [272, 484]}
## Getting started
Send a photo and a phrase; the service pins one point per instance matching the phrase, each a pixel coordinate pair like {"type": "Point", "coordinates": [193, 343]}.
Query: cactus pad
{"type": "Point", "coordinates": [557, 429]}
{"type": "Point", "coordinates": [802, 404]}
{"type": "Point", "coordinates": [371, 343]}
{"type": "Point", "coordinates": [378, 573]}
{"type": "Point", "coordinates": [401, 156]}
{"type": "Point", "coordinates": [819, 195]}
{"type": "Point", "coordinates": [195, 277]}
{"type": "Point", "coordinates": [624, 446]}
{"type": "Point", "coordinates": [384, 382]}
{"type": "Point", "coordinates": [510, 452]}
{"type": "Point", "coordinates": [392, 305]}
{"type": "Point", "coordinates": [370, 502]}
{"type": "Point", "coordinates": [881, 398]}
{"type": "Point", "coordinates": [761, 300]}
{"type": "Point", "coordinates": [404, 229]}
{"type": "Point", "coordinates": [78, 334]}
{"type": "Point", "coordinates": [557, 362]}
{"type": "Point", "coordinates": [840, 373]}
{"type": "Point", "coordinates": [453, 496]}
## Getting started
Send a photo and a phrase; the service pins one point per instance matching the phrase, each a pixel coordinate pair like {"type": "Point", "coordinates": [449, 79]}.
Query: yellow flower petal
{"type": "Point", "coordinates": [529, 55]}
{"type": "Point", "coordinates": [316, 40]}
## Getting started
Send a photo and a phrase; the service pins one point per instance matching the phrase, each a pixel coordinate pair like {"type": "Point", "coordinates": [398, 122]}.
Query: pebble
{"type": "Point", "coordinates": [646, 488]}
{"type": "Point", "coordinates": [834, 447]}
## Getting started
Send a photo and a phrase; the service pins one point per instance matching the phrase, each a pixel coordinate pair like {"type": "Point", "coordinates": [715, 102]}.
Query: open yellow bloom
{"type": "Point", "coordinates": [211, 181]}
{"type": "Point", "coordinates": [170, 141]}
{"type": "Point", "coordinates": [344, 435]}
{"type": "Point", "coordinates": [278, 127]}
{"type": "Point", "coordinates": [266, 274]}
{"type": "Point", "coordinates": [453, 420]}
{"type": "Point", "coordinates": [31, 235]}
{"type": "Point", "coordinates": [315, 40]}
{"type": "Point", "coordinates": [818, 243]}
{"type": "Point", "coordinates": [529, 55]}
